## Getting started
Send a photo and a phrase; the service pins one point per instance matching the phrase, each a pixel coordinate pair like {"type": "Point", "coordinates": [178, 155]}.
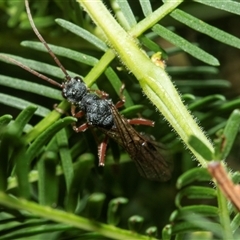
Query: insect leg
{"type": "Point", "coordinates": [78, 114]}
{"type": "Point", "coordinates": [75, 114]}
{"type": "Point", "coordinates": [102, 151]}
{"type": "Point", "coordinates": [81, 128]}
{"type": "Point", "coordinates": [122, 100]}
{"type": "Point", "coordinates": [102, 94]}
{"type": "Point", "coordinates": [133, 121]}
{"type": "Point", "coordinates": [141, 121]}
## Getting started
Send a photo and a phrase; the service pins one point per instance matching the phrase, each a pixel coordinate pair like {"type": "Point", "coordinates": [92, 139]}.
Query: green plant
{"type": "Point", "coordinates": [64, 176]}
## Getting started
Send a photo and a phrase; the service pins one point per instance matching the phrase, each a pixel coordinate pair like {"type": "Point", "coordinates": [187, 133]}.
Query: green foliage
{"type": "Point", "coordinates": [50, 186]}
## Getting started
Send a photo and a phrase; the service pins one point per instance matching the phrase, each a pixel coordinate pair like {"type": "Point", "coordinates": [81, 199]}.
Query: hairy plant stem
{"type": "Point", "coordinates": [155, 82]}
{"type": "Point", "coordinates": [224, 215]}
{"type": "Point", "coordinates": [69, 218]}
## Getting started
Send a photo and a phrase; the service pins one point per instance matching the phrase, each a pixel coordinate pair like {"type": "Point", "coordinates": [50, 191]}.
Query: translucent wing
{"type": "Point", "coordinates": [146, 154]}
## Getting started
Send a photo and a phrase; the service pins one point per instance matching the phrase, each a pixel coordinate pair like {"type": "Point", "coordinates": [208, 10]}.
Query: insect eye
{"type": "Point", "coordinates": [78, 79]}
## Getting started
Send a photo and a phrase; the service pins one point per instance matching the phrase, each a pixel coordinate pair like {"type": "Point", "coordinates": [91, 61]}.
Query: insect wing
{"type": "Point", "coordinates": [146, 154]}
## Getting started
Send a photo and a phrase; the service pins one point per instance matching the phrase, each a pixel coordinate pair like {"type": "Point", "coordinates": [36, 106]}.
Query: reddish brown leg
{"type": "Point", "coordinates": [120, 103]}
{"type": "Point", "coordinates": [122, 97]}
{"type": "Point", "coordinates": [102, 151]}
{"type": "Point", "coordinates": [79, 114]}
{"type": "Point", "coordinates": [133, 121]}
{"type": "Point", "coordinates": [75, 114]}
{"type": "Point", "coordinates": [81, 128]}
{"type": "Point", "coordinates": [141, 121]}
{"type": "Point", "coordinates": [100, 93]}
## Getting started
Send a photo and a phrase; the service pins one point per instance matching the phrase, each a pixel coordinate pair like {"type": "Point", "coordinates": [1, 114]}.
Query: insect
{"type": "Point", "coordinates": [100, 112]}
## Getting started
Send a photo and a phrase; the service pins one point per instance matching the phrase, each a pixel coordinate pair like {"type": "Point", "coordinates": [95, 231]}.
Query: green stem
{"type": "Point", "coordinates": [51, 118]}
{"type": "Point", "coordinates": [224, 215]}
{"type": "Point", "coordinates": [70, 219]}
{"type": "Point", "coordinates": [99, 68]}
{"type": "Point", "coordinates": [155, 17]}
{"type": "Point", "coordinates": [155, 82]}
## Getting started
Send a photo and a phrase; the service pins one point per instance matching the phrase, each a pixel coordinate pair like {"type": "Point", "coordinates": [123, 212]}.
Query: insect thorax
{"type": "Point", "coordinates": [98, 111]}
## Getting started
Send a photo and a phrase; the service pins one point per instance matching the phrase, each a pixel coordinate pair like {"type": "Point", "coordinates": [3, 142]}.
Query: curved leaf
{"type": "Point", "coordinates": [185, 45]}
{"type": "Point", "coordinates": [37, 145]}
{"type": "Point", "coordinates": [64, 52]}
{"type": "Point", "coordinates": [22, 104]}
{"type": "Point", "coordinates": [95, 204]}
{"type": "Point", "coordinates": [192, 175]}
{"type": "Point", "coordinates": [205, 28]}
{"type": "Point", "coordinates": [230, 6]}
{"type": "Point", "coordinates": [127, 12]}
{"type": "Point", "coordinates": [204, 210]}
{"type": "Point", "coordinates": [66, 158]}
{"type": "Point", "coordinates": [146, 7]}
{"type": "Point", "coordinates": [47, 179]}
{"type": "Point", "coordinates": [230, 132]}
{"type": "Point", "coordinates": [82, 33]}
{"type": "Point", "coordinates": [195, 192]}
{"type": "Point", "coordinates": [27, 86]}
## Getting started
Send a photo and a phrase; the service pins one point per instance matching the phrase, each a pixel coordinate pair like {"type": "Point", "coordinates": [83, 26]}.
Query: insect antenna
{"type": "Point", "coordinates": [67, 77]}
{"type": "Point", "coordinates": [31, 70]}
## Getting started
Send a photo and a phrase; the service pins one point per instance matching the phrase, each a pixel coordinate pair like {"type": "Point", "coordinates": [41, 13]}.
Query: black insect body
{"type": "Point", "coordinates": [96, 109]}
{"type": "Point", "coordinates": [100, 112]}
